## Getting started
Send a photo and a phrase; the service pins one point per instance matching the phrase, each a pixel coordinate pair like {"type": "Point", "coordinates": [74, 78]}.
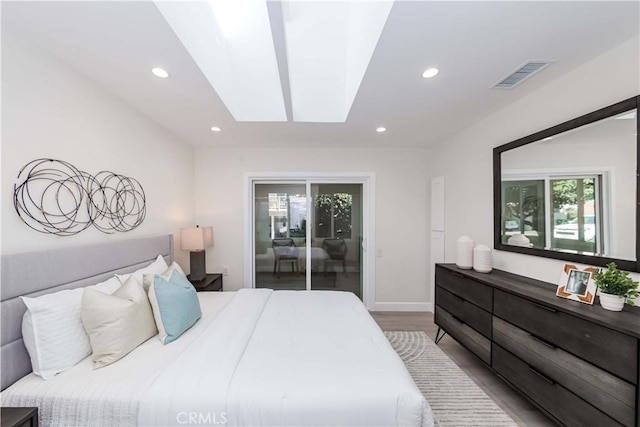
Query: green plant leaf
{"type": "Point", "coordinates": [616, 282]}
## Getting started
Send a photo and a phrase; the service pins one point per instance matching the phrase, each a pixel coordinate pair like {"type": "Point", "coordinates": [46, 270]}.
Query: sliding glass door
{"type": "Point", "coordinates": [280, 215]}
{"type": "Point", "coordinates": [308, 235]}
{"type": "Point", "coordinates": [336, 237]}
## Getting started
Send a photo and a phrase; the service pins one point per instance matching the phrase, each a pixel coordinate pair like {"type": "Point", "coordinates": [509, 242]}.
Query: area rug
{"type": "Point", "coordinates": [455, 399]}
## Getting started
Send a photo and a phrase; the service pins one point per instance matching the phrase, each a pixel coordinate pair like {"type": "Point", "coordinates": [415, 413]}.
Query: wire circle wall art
{"type": "Point", "coordinates": [54, 197]}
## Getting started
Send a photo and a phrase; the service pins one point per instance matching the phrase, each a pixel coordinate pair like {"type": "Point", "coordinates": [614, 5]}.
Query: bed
{"type": "Point", "coordinates": [256, 357]}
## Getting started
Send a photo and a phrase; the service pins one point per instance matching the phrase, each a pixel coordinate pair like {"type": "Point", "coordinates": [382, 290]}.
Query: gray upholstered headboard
{"type": "Point", "coordinates": [39, 273]}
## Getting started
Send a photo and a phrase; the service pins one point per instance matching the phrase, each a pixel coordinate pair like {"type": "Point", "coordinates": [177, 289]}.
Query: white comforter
{"type": "Point", "coordinates": [285, 358]}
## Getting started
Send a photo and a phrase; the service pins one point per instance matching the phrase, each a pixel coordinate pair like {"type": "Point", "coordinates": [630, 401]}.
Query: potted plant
{"type": "Point", "coordinates": [616, 287]}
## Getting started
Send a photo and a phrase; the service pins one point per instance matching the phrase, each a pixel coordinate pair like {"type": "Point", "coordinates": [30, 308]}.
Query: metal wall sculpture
{"type": "Point", "coordinates": [54, 197]}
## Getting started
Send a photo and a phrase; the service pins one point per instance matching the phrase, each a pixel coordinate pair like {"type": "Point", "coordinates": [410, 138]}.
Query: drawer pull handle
{"type": "Point", "coordinates": [458, 274]}
{"type": "Point", "coordinates": [543, 342]}
{"type": "Point", "coordinates": [541, 375]}
{"type": "Point", "coordinates": [544, 307]}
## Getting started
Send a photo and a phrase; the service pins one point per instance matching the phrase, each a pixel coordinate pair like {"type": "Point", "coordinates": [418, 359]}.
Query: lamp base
{"type": "Point", "coordinates": [198, 266]}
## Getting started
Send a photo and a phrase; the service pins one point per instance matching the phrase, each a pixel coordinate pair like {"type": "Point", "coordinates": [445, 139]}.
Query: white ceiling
{"type": "Point", "coordinates": [474, 44]}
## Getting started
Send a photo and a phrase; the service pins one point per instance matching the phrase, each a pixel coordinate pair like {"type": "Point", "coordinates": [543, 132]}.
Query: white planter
{"type": "Point", "coordinates": [464, 253]}
{"type": "Point", "coordinates": [611, 302]}
{"type": "Point", "coordinates": [482, 259]}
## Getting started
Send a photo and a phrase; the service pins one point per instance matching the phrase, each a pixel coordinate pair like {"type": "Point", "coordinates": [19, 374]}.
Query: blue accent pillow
{"type": "Point", "coordinates": [175, 305]}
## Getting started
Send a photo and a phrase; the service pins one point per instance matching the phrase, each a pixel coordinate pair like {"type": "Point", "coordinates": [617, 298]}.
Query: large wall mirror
{"type": "Point", "coordinates": [571, 191]}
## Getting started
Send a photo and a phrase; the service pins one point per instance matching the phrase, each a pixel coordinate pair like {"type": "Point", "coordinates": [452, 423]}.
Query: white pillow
{"type": "Point", "coordinates": [53, 333]}
{"type": "Point", "coordinates": [147, 279]}
{"type": "Point", "coordinates": [156, 267]}
{"type": "Point", "coordinates": [117, 323]}
{"type": "Point", "coordinates": [108, 286]}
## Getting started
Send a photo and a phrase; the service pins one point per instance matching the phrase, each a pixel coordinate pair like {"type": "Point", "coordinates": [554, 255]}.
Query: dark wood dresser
{"type": "Point", "coordinates": [578, 363]}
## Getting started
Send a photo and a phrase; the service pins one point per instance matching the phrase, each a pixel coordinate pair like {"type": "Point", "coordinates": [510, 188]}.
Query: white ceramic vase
{"type": "Point", "coordinates": [482, 259]}
{"type": "Point", "coordinates": [464, 252]}
{"type": "Point", "coordinates": [611, 302]}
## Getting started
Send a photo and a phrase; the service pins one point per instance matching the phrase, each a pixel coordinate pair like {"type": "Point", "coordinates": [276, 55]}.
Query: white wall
{"type": "Point", "coordinates": [402, 216]}
{"type": "Point", "coordinates": [466, 158]}
{"type": "Point", "coordinates": [51, 111]}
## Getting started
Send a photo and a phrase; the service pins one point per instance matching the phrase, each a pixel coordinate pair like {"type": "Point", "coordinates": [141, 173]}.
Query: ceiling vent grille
{"type": "Point", "coordinates": [521, 74]}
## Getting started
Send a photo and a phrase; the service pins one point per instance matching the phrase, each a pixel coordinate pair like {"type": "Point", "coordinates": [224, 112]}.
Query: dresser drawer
{"type": "Point", "coordinates": [474, 341]}
{"type": "Point", "coordinates": [472, 291]}
{"type": "Point", "coordinates": [470, 314]}
{"type": "Point", "coordinates": [606, 348]}
{"type": "Point", "coordinates": [603, 390]}
{"type": "Point", "coordinates": [555, 399]}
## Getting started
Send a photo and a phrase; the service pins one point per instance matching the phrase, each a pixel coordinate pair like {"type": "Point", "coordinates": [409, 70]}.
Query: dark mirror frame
{"type": "Point", "coordinates": [612, 110]}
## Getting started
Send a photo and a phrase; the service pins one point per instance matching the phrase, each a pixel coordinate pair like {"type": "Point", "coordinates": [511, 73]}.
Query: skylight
{"type": "Point", "coordinates": [329, 46]}
{"type": "Point", "coordinates": [328, 49]}
{"type": "Point", "coordinates": [231, 43]}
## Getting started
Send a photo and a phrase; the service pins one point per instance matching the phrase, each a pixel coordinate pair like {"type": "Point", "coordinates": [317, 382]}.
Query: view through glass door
{"type": "Point", "coordinates": [336, 237]}
{"type": "Point", "coordinates": [308, 236]}
{"type": "Point", "coordinates": [280, 214]}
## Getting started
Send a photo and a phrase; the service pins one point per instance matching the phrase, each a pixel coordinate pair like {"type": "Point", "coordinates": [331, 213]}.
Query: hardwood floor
{"type": "Point", "coordinates": [520, 409]}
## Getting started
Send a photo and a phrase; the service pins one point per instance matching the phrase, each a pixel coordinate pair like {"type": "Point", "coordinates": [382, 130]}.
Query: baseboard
{"type": "Point", "coordinates": [403, 306]}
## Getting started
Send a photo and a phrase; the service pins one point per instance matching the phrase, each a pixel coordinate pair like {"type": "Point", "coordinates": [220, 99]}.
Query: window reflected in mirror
{"type": "Point", "coordinates": [570, 209]}
{"type": "Point", "coordinates": [524, 210]}
{"type": "Point", "coordinates": [574, 192]}
{"type": "Point", "coordinates": [577, 214]}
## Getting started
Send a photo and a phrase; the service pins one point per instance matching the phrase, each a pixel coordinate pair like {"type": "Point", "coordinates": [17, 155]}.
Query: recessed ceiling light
{"type": "Point", "coordinates": [430, 72]}
{"type": "Point", "coordinates": [160, 72]}
{"type": "Point", "coordinates": [215, 129]}
{"type": "Point", "coordinates": [381, 129]}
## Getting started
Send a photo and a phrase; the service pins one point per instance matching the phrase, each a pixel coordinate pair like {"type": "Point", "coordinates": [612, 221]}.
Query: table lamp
{"type": "Point", "coordinates": [195, 240]}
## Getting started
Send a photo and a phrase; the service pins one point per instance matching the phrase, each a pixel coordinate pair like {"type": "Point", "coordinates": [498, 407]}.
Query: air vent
{"type": "Point", "coordinates": [522, 74]}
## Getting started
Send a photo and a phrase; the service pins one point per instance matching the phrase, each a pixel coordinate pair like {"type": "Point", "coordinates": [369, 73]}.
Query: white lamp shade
{"type": "Point", "coordinates": [196, 238]}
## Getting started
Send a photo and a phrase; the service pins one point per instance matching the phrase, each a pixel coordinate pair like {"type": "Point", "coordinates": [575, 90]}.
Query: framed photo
{"type": "Point", "coordinates": [577, 284]}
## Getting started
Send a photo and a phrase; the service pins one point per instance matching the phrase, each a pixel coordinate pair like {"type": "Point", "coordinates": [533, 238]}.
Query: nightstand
{"type": "Point", "coordinates": [19, 417]}
{"type": "Point", "coordinates": [213, 282]}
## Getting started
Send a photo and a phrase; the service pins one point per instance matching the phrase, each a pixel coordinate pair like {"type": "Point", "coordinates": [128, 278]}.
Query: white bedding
{"type": "Point", "coordinates": [107, 396]}
{"type": "Point", "coordinates": [256, 357]}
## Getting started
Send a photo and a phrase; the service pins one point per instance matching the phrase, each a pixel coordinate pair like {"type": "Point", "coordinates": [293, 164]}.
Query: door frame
{"type": "Point", "coordinates": [367, 179]}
